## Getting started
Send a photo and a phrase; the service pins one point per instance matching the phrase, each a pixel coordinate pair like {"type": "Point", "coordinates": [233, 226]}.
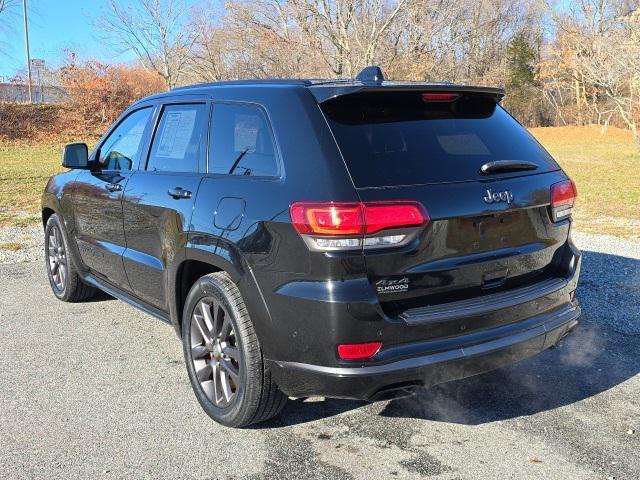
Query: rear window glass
{"type": "Point", "coordinates": [241, 142]}
{"type": "Point", "coordinates": [396, 138]}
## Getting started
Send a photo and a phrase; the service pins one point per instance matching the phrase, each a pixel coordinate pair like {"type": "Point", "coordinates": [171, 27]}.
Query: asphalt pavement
{"type": "Point", "coordinates": [99, 390]}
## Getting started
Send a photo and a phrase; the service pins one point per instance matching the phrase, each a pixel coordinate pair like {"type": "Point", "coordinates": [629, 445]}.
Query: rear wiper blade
{"type": "Point", "coordinates": [506, 166]}
{"type": "Point", "coordinates": [237, 161]}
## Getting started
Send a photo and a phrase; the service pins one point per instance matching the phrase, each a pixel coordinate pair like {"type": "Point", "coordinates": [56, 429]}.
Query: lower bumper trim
{"type": "Point", "coordinates": [365, 382]}
{"type": "Point", "coordinates": [482, 305]}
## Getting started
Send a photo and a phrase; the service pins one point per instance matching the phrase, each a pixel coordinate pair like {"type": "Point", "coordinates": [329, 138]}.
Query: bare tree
{"type": "Point", "coordinates": [8, 14]}
{"type": "Point", "coordinates": [584, 55]}
{"type": "Point", "coordinates": [461, 40]}
{"type": "Point", "coordinates": [349, 32]}
{"type": "Point", "coordinates": [157, 31]}
{"type": "Point", "coordinates": [338, 37]}
{"type": "Point", "coordinates": [612, 65]}
{"type": "Point", "coordinates": [8, 8]}
{"type": "Point", "coordinates": [6, 5]}
{"type": "Point", "coordinates": [207, 59]}
{"type": "Point", "coordinates": [253, 40]}
{"type": "Point", "coordinates": [598, 42]}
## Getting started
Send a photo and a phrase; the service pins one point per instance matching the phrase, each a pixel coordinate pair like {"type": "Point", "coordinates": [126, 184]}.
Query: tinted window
{"type": "Point", "coordinates": [122, 148]}
{"type": "Point", "coordinates": [399, 139]}
{"type": "Point", "coordinates": [241, 142]}
{"type": "Point", "coordinates": [178, 141]}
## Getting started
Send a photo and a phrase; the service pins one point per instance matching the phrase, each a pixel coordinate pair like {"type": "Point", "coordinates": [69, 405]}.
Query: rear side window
{"type": "Point", "coordinates": [241, 142]}
{"type": "Point", "coordinates": [178, 142]}
{"type": "Point", "coordinates": [122, 148]}
{"type": "Point", "coordinates": [397, 138]}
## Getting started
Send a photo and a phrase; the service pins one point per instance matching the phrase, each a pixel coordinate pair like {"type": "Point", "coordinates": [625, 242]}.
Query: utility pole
{"type": "Point", "coordinates": [26, 41]}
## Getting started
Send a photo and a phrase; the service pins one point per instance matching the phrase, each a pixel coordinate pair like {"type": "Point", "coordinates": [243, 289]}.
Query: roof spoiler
{"type": "Point", "coordinates": [371, 79]}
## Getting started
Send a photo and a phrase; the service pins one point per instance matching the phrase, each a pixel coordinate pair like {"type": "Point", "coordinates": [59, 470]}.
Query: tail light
{"type": "Point", "coordinates": [440, 97]}
{"type": "Point", "coordinates": [358, 351]}
{"type": "Point", "coordinates": [563, 197]}
{"type": "Point", "coordinates": [353, 226]}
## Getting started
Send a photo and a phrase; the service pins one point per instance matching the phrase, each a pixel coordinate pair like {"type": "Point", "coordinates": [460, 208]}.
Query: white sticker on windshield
{"type": "Point", "coordinates": [176, 134]}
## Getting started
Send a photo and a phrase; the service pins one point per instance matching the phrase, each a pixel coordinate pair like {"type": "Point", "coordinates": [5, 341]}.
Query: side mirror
{"type": "Point", "coordinates": [75, 155]}
{"type": "Point", "coordinates": [125, 164]}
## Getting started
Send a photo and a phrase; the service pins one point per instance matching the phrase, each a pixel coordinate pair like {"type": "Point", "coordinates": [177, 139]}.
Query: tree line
{"type": "Point", "coordinates": [562, 63]}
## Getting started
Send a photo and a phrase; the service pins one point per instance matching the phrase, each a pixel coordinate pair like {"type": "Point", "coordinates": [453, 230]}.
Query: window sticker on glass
{"type": "Point", "coordinates": [176, 134]}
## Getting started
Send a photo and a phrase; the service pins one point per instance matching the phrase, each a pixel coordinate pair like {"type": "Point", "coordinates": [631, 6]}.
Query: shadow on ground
{"type": "Point", "coordinates": [591, 360]}
{"type": "Point", "coordinates": [100, 296]}
{"type": "Point", "coordinates": [586, 363]}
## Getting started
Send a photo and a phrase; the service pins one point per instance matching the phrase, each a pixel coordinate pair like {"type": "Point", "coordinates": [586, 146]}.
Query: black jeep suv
{"type": "Point", "coordinates": [352, 239]}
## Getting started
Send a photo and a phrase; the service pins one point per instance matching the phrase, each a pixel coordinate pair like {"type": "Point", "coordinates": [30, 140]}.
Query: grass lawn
{"type": "Point", "coordinates": [605, 168]}
{"type": "Point", "coordinates": [24, 170]}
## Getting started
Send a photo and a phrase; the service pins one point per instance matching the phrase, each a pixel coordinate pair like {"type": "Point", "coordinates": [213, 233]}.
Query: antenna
{"type": "Point", "coordinates": [371, 74]}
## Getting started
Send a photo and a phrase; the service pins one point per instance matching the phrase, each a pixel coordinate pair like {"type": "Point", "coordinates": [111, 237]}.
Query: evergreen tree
{"type": "Point", "coordinates": [521, 81]}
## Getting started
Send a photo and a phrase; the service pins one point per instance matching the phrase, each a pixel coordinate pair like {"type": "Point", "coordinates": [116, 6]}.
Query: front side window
{"type": "Point", "coordinates": [178, 140]}
{"type": "Point", "coordinates": [122, 148]}
{"type": "Point", "coordinates": [241, 142]}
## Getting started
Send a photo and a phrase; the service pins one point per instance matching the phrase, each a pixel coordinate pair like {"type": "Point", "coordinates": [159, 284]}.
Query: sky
{"type": "Point", "coordinates": [55, 25]}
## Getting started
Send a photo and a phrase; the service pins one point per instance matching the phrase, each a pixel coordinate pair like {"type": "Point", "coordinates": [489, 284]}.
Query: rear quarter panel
{"type": "Point", "coordinates": [263, 251]}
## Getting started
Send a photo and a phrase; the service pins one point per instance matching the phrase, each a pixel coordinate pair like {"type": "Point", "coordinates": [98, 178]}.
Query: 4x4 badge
{"type": "Point", "coordinates": [496, 197]}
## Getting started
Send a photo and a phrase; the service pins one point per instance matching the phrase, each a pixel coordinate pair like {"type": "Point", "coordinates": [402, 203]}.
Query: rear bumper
{"type": "Point", "coordinates": [424, 347]}
{"type": "Point", "coordinates": [432, 366]}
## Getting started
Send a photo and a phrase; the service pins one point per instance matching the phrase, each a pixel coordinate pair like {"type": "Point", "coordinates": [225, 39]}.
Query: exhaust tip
{"type": "Point", "coordinates": [394, 392]}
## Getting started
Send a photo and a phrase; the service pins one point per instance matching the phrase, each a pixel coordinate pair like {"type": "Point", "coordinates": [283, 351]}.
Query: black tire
{"type": "Point", "coordinates": [256, 397]}
{"type": "Point", "coordinates": [68, 287]}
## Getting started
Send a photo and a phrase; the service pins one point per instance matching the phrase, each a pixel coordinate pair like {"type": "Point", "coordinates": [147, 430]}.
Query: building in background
{"type": "Point", "coordinates": [15, 89]}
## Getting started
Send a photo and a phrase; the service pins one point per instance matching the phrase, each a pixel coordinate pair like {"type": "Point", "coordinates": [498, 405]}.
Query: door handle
{"type": "Point", "coordinates": [113, 187]}
{"type": "Point", "coordinates": [179, 193]}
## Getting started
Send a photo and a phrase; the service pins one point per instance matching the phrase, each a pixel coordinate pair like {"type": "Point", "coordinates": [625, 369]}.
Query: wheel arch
{"type": "Point", "coordinates": [46, 214]}
{"type": "Point", "coordinates": [186, 274]}
{"type": "Point", "coordinates": [199, 261]}
{"type": "Point", "coordinates": [49, 205]}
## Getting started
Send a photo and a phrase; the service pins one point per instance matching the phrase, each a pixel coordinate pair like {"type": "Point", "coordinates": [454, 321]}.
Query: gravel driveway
{"type": "Point", "coordinates": [98, 390]}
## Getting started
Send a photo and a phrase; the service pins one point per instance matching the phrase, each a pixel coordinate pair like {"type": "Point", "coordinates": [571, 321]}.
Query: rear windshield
{"type": "Point", "coordinates": [398, 138]}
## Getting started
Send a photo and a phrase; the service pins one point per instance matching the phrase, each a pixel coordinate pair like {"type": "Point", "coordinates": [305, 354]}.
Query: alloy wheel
{"type": "Point", "coordinates": [57, 258]}
{"type": "Point", "coordinates": [214, 352]}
